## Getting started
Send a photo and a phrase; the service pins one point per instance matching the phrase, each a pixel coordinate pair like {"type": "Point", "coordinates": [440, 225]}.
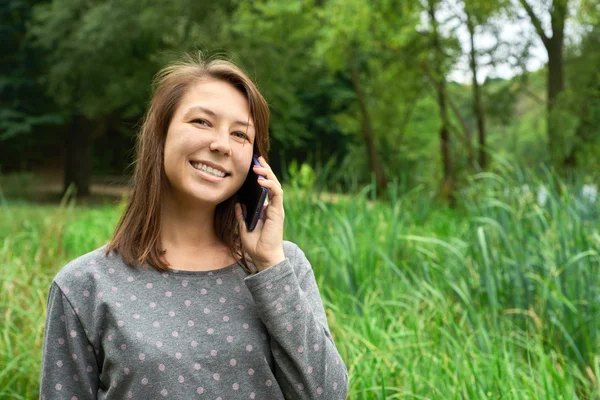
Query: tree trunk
{"type": "Point", "coordinates": [555, 87]}
{"type": "Point", "coordinates": [374, 164]}
{"type": "Point", "coordinates": [447, 186]}
{"type": "Point", "coordinates": [78, 156]}
{"type": "Point", "coordinates": [477, 103]}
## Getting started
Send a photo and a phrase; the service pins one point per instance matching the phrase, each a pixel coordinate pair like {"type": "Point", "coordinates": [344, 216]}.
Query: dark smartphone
{"type": "Point", "coordinates": [253, 196]}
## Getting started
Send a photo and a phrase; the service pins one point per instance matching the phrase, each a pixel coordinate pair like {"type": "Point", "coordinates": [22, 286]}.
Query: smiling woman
{"type": "Point", "coordinates": [184, 300]}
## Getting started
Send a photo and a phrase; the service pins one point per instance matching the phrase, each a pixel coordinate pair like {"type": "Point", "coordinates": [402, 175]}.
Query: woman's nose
{"type": "Point", "coordinates": [221, 143]}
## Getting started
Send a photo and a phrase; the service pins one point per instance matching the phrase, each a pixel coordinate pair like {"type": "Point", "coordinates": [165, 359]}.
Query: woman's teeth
{"type": "Point", "coordinates": [208, 170]}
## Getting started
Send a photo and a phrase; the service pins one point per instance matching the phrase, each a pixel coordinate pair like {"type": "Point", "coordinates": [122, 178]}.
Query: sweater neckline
{"type": "Point", "coordinates": [210, 272]}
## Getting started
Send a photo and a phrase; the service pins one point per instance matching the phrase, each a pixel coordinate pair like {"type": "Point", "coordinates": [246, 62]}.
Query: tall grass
{"type": "Point", "coordinates": [498, 298]}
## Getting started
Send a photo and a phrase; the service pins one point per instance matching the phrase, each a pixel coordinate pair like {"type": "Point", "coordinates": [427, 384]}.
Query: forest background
{"type": "Point", "coordinates": [465, 133]}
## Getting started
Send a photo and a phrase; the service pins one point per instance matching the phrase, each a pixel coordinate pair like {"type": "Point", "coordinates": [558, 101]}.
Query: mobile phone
{"type": "Point", "coordinates": [253, 196]}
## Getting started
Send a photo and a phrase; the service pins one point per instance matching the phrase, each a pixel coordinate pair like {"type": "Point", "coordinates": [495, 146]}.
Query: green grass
{"type": "Point", "coordinates": [496, 299]}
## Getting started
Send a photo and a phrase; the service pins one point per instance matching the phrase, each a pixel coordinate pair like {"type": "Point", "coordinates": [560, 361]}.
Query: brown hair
{"type": "Point", "coordinates": [137, 235]}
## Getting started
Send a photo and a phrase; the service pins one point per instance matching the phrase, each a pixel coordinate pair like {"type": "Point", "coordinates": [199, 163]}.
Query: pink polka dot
{"type": "Point", "coordinates": [269, 286]}
{"type": "Point", "coordinates": [149, 285]}
{"type": "Point", "coordinates": [126, 371]}
{"type": "Point", "coordinates": [230, 339]}
{"type": "Point", "coordinates": [249, 347]}
{"type": "Point", "coordinates": [117, 304]}
{"type": "Point", "coordinates": [144, 381]}
{"type": "Point", "coordinates": [334, 385]}
{"type": "Point", "coordinates": [298, 307]}
{"type": "Point", "coordinates": [225, 318]}
{"type": "Point", "coordinates": [194, 343]}
{"type": "Point", "coordinates": [190, 323]}
{"type": "Point", "coordinates": [278, 307]}
{"type": "Point", "coordinates": [300, 386]}
{"type": "Point", "coordinates": [245, 326]}
{"type": "Point", "coordinates": [200, 390]}
{"type": "Point", "coordinates": [61, 341]}
{"type": "Point", "coordinates": [268, 382]}
{"type": "Point", "coordinates": [74, 398]}
{"type": "Point", "coordinates": [161, 367]}
{"type": "Point", "coordinates": [316, 347]}
{"type": "Point", "coordinates": [210, 331]}
{"type": "Point", "coordinates": [180, 379]}
{"type": "Point", "coordinates": [217, 377]}
{"type": "Point", "coordinates": [175, 333]}
{"type": "Point", "coordinates": [232, 362]}
{"type": "Point", "coordinates": [86, 293]}
{"type": "Point", "coordinates": [206, 310]}
{"type": "Point", "coordinates": [197, 366]}
{"type": "Point", "coordinates": [184, 283]}
{"type": "Point", "coordinates": [66, 290]}
{"type": "Point", "coordinates": [300, 349]}
{"type": "Point", "coordinates": [111, 270]}
{"type": "Point", "coordinates": [168, 294]}
{"type": "Point", "coordinates": [286, 288]}
{"type": "Point", "coordinates": [319, 390]}
{"type": "Point", "coordinates": [59, 363]}
{"type": "Point", "coordinates": [289, 327]}
{"type": "Point", "coordinates": [241, 307]}
{"type": "Point", "coordinates": [188, 303]}
{"type": "Point", "coordinates": [237, 289]}
{"type": "Point", "coordinates": [153, 305]}
{"type": "Point", "coordinates": [89, 368]}
{"type": "Point", "coordinates": [203, 291]}
{"type": "Point", "coordinates": [96, 276]}
{"type": "Point", "coordinates": [114, 289]}
{"type": "Point", "coordinates": [213, 353]}
{"type": "Point", "coordinates": [142, 356]}
{"type": "Point", "coordinates": [250, 371]}
{"type": "Point", "coordinates": [156, 324]}
{"type": "Point", "coordinates": [77, 273]}
{"type": "Point", "coordinates": [133, 297]}
{"type": "Point", "coordinates": [310, 370]}
{"type": "Point", "coordinates": [110, 338]}
{"type": "Point", "coordinates": [219, 281]}
{"type": "Point", "coordinates": [136, 316]}
{"type": "Point", "coordinates": [120, 323]}
{"type": "Point", "coordinates": [74, 356]}
{"type": "Point", "coordinates": [236, 386]}
{"type": "Point", "coordinates": [129, 278]}
{"type": "Point", "coordinates": [222, 300]}
{"type": "Point", "coordinates": [73, 333]}
{"type": "Point", "coordinates": [123, 346]}
{"type": "Point", "coordinates": [252, 395]}
{"type": "Point", "coordinates": [171, 314]}
{"type": "Point", "coordinates": [178, 356]}
{"type": "Point", "coordinates": [164, 392]}
{"type": "Point", "coordinates": [58, 386]}
{"type": "Point", "coordinates": [76, 378]}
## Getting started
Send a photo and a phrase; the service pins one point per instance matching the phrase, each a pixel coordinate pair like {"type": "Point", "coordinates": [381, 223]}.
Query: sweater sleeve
{"type": "Point", "coordinates": [69, 366]}
{"type": "Point", "coordinates": [307, 363]}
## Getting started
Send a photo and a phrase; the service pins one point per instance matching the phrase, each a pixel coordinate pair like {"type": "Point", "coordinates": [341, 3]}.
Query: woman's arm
{"type": "Point", "coordinates": [308, 365]}
{"type": "Point", "coordinates": [69, 364]}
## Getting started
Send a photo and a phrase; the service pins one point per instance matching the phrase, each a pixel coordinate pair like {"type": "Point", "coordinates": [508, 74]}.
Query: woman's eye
{"type": "Point", "coordinates": [201, 121]}
{"type": "Point", "coordinates": [241, 135]}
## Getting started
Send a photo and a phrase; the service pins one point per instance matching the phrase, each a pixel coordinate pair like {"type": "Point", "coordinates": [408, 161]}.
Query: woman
{"type": "Point", "coordinates": [184, 301]}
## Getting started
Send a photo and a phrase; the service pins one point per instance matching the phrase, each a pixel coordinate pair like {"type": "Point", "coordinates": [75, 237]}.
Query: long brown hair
{"type": "Point", "coordinates": [137, 235]}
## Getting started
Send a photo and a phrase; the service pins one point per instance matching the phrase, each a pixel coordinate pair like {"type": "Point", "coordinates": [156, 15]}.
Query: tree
{"type": "Point", "coordinates": [554, 44]}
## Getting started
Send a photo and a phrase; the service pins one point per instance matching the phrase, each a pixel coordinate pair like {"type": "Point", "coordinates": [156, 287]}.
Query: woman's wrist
{"type": "Point", "coordinates": [276, 259]}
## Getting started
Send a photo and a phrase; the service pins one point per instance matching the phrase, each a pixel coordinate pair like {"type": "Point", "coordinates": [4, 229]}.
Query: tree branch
{"type": "Point", "coordinates": [536, 22]}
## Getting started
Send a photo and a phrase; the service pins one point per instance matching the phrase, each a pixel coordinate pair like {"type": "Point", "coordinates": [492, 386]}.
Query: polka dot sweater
{"type": "Point", "coordinates": [114, 331]}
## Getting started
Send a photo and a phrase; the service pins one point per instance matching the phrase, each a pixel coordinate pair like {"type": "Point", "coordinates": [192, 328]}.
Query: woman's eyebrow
{"type": "Point", "coordinates": [210, 112]}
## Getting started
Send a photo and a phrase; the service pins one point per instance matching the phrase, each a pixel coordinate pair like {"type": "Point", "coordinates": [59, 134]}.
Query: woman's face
{"type": "Point", "coordinates": [208, 149]}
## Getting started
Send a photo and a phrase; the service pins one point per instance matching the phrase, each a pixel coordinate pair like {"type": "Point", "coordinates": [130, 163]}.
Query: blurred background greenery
{"type": "Point", "coordinates": [422, 91]}
{"type": "Point", "coordinates": [449, 150]}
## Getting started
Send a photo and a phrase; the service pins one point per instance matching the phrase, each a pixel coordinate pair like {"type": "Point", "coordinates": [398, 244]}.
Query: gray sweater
{"type": "Point", "coordinates": [114, 331]}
